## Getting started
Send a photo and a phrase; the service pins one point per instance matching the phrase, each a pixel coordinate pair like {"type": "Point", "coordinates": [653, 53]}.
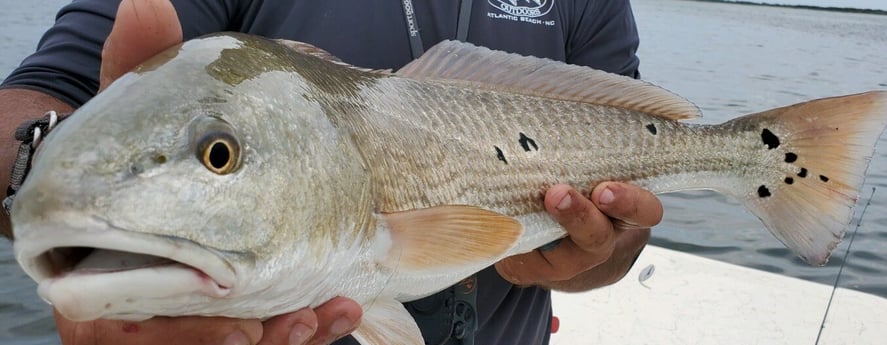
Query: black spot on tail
{"type": "Point", "coordinates": [791, 157]}
{"type": "Point", "coordinates": [500, 155]}
{"type": "Point", "coordinates": [652, 128]}
{"type": "Point", "coordinates": [789, 180]}
{"type": "Point", "coordinates": [803, 172]}
{"type": "Point", "coordinates": [823, 178]}
{"type": "Point", "coordinates": [763, 191]}
{"type": "Point", "coordinates": [526, 142]}
{"type": "Point", "coordinates": [770, 139]}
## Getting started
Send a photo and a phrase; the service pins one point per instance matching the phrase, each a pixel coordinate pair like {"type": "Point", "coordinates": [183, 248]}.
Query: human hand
{"type": "Point", "coordinates": [605, 235]}
{"type": "Point", "coordinates": [323, 325]}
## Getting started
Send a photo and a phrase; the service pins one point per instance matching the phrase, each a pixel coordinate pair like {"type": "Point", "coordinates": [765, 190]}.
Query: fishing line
{"type": "Point", "coordinates": [841, 270]}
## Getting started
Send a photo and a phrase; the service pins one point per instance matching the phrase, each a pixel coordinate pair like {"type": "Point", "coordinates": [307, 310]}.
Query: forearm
{"type": "Point", "coordinates": [16, 106]}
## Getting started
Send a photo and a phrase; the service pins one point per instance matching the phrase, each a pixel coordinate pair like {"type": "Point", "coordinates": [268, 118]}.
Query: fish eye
{"type": "Point", "coordinates": [219, 152]}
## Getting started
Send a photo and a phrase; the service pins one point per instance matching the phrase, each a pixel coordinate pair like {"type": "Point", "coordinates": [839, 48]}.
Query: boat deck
{"type": "Point", "coordinates": [694, 300]}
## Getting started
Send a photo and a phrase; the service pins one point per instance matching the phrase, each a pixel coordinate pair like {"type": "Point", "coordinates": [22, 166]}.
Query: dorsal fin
{"type": "Point", "coordinates": [310, 49]}
{"type": "Point", "coordinates": [496, 70]}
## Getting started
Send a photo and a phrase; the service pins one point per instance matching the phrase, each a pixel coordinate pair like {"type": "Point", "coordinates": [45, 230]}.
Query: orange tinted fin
{"type": "Point", "coordinates": [448, 236]}
{"type": "Point", "coordinates": [824, 148]}
{"type": "Point", "coordinates": [387, 322]}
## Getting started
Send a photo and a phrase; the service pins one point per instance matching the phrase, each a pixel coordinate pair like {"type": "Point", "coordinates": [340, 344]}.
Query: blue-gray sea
{"type": "Point", "coordinates": [729, 59]}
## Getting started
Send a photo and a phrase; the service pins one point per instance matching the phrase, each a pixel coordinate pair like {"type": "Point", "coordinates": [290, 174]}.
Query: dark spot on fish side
{"type": "Point", "coordinates": [770, 139]}
{"type": "Point", "coordinates": [526, 142]}
{"type": "Point", "coordinates": [803, 172]}
{"type": "Point", "coordinates": [789, 180]}
{"type": "Point", "coordinates": [791, 157]}
{"type": "Point", "coordinates": [500, 155]}
{"type": "Point", "coordinates": [652, 128]}
{"type": "Point", "coordinates": [159, 159]}
{"type": "Point", "coordinates": [823, 178]}
{"type": "Point", "coordinates": [107, 305]}
{"type": "Point", "coordinates": [763, 191]}
{"type": "Point", "coordinates": [130, 327]}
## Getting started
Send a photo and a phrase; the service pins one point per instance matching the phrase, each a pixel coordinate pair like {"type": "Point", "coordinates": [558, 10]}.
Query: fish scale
{"type": "Point", "coordinates": [458, 162]}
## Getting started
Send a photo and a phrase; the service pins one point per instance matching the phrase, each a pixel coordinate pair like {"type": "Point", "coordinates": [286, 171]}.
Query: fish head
{"type": "Point", "coordinates": [208, 173]}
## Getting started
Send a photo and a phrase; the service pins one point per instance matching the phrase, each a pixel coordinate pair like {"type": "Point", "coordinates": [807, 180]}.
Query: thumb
{"type": "Point", "coordinates": [142, 29]}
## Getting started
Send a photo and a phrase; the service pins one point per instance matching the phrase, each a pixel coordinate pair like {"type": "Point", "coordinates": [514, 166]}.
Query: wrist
{"type": "Point", "coordinates": [17, 106]}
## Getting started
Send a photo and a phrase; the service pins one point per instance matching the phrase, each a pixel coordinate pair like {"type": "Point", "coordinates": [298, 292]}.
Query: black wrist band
{"type": "Point", "coordinates": [30, 133]}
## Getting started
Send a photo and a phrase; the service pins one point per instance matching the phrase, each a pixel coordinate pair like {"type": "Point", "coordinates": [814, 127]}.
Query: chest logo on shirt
{"type": "Point", "coordinates": [527, 11]}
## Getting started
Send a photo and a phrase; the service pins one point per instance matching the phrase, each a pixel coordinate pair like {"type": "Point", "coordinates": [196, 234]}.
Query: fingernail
{"type": "Point", "coordinates": [341, 327]}
{"type": "Point", "coordinates": [300, 334]}
{"type": "Point", "coordinates": [607, 196]}
{"type": "Point", "coordinates": [565, 202]}
{"type": "Point", "coordinates": [236, 338]}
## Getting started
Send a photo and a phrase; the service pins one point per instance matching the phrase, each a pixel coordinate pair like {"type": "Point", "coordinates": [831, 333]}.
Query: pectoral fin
{"type": "Point", "coordinates": [387, 322]}
{"type": "Point", "coordinates": [448, 236]}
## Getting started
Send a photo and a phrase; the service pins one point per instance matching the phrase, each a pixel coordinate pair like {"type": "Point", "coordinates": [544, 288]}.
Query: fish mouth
{"type": "Point", "coordinates": [100, 270]}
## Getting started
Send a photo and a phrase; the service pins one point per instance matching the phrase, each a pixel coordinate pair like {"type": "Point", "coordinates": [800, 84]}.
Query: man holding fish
{"type": "Point", "coordinates": [607, 228]}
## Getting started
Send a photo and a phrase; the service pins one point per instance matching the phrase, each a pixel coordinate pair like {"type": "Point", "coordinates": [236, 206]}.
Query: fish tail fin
{"type": "Point", "coordinates": [821, 150]}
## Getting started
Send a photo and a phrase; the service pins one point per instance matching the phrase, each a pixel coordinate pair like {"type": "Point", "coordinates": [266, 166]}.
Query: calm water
{"type": "Point", "coordinates": [729, 59]}
{"type": "Point", "coordinates": [860, 4]}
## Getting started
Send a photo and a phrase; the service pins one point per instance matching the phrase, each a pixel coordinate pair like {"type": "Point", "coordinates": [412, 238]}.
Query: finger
{"type": "Point", "coordinates": [290, 329]}
{"type": "Point", "coordinates": [142, 29]}
{"type": "Point", "coordinates": [336, 318]}
{"type": "Point", "coordinates": [632, 242]}
{"type": "Point", "coordinates": [590, 242]}
{"type": "Point", "coordinates": [589, 228]}
{"type": "Point", "coordinates": [631, 204]}
{"type": "Point", "coordinates": [563, 262]}
{"type": "Point", "coordinates": [161, 330]}
{"type": "Point", "coordinates": [628, 247]}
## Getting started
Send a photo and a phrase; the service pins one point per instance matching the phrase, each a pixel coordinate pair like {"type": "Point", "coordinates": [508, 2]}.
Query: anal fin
{"type": "Point", "coordinates": [387, 322]}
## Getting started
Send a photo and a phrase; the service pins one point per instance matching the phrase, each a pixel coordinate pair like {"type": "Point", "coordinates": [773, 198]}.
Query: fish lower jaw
{"type": "Point", "coordinates": [72, 261]}
{"type": "Point", "coordinates": [88, 268]}
{"type": "Point", "coordinates": [59, 263]}
{"type": "Point", "coordinates": [133, 294]}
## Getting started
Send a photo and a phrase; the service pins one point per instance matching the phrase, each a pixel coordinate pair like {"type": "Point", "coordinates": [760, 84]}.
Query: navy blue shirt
{"type": "Point", "coordinates": [373, 34]}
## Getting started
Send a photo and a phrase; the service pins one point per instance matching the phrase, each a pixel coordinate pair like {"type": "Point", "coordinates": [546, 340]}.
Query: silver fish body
{"type": "Point", "coordinates": [244, 177]}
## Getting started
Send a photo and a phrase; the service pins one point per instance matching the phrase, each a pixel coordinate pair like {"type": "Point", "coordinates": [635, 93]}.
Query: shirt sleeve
{"type": "Point", "coordinates": [68, 57]}
{"type": "Point", "coordinates": [605, 37]}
